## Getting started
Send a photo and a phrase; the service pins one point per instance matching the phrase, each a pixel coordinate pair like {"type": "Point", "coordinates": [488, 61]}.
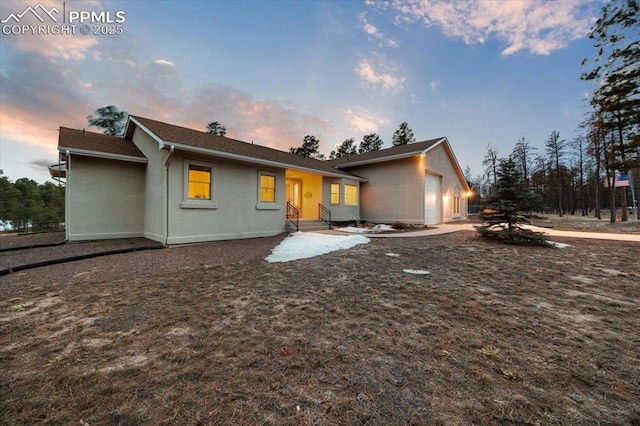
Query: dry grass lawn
{"type": "Point", "coordinates": [495, 335]}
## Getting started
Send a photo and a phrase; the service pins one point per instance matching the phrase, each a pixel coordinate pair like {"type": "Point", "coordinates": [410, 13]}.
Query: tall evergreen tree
{"type": "Point", "coordinates": [370, 142]}
{"type": "Point", "coordinates": [310, 148]}
{"type": "Point", "coordinates": [110, 119]}
{"type": "Point", "coordinates": [616, 67]}
{"type": "Point", "coordinates": [403, 135]}
{"type": "Point", "coordinates": [346, 148]}
{"type": "Point", "coordinates": [555, 150]}
{"type": "Point", "coordinates": [215, 128]}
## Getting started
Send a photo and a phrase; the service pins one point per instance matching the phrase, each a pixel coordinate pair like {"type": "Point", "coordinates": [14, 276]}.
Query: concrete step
{"type": "Point", "coordinates": [308, 226]}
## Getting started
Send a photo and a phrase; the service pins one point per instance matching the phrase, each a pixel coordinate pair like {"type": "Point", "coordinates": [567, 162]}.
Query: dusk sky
{"type": "Point", "coordinates": [479, 73]}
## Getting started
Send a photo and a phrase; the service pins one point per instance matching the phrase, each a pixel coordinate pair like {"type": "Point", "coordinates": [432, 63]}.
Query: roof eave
{"type": "Point", "coordinates": [104, 155]}
{"type": "Point", "coordinates": [380, 159]}
{"type": "Point", "coordinates": [254, 160]}
{"type": "Point", "coordinates": [144, 128]}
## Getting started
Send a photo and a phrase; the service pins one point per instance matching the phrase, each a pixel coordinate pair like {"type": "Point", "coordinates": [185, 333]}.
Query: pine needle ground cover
{"type": "Point", "coordinates": [496, 334]}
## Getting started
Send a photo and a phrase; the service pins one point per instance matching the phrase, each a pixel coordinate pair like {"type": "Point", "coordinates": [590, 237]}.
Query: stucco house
{"type": "Point", "coordinates": [177, 185]}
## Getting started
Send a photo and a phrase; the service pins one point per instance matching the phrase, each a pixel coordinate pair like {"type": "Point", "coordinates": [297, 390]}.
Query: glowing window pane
{"type": "Point", "coordinates": [351, 195]}
{"type": "Point", "coordinates": [199, 182]}
{"type": "Point", "coordinates": [267, 189]}
{"type": "Point", "coordinates": [335, 193]}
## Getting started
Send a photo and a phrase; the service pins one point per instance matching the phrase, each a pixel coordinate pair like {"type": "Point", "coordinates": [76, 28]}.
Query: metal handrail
{"type": "Point", "coordinates": [293, 215]}
{"type": "Point", "coordinates": [322, 212]}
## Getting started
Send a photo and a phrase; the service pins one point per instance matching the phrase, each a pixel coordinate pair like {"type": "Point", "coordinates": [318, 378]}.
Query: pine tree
{"type": "Point", "coordinates": [508, 199]}
{"type": "Point", "coordinates": [370, 142]}
{"type": "Point", "coordinates": [110, 119]}
{"type": "Point", "coordinates": [403, 135]}
{"type": "Point", "coordinates": [310, 148]}
{"type": "Point", "coordinates": [215, 128]}
{"type": "Point", "coordinates": [346, 148]}
{"type": "Point", "coordinates": [616, 68]}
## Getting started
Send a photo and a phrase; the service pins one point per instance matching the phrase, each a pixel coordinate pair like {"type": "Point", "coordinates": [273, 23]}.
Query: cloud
{"type": "Point", "coordinates": [537, 26]}
{"type": "Point", "coordinates": [376, 72]}
{"type": "Point", "coordinates": [370, 29]}
{"type": "Point", "coordinates": [164, 62]}
{"type": "Point", "coordinates": [362, 121]}
{"type": "Point", "coordinates": [41, 93]}
{"type": "Point", "coordinates": [373, 31]}
{"type": "Point", "coordinates": [435, 84]}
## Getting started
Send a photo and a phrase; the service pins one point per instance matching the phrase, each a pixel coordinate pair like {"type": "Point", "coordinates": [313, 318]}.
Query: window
{"type": "Point", "coordinates": [456, 205]}
{"type": "Point", "coordinates": [199, 186]}
{"type": "Point", "coordinates": [351, 195]}
{"type": "Point", "coordinates": [199, 182]}
{"type": "Point", "coordinates": [335, 193]}
{"type": "Point", "coordinates": [456, 201]}
{"type": "Point", "coordinates": [267, 188]}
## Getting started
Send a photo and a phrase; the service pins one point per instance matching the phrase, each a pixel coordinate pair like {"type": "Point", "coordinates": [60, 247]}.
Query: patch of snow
{"type": "Point", "coordinates": [559, 245]}
{"type": "Point", "coordinates": [418, 272]}
{"type": "Point", "coordinates": [376, 229]}
{"type": "Point", "coordinates": [392, 254]}
{"type": "Point", "coordinates": [303, 245]}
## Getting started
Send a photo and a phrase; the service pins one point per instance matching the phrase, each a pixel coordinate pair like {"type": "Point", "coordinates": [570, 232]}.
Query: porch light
{"type": "Point", "coordinates": [468, 194]}
{"type": "Point", "coordinates": [445, 198]}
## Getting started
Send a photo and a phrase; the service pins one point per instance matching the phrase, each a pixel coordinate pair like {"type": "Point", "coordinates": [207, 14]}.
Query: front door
{"type": "Point", "coordinates": [293, 188]}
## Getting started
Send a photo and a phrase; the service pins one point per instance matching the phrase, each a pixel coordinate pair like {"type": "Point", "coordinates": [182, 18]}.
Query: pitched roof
{"type": "Point", "coordinates": [98, 145]}
{"type": "Point", "coordinates": [395, 152]}
{"type": "Point", "coordinates": [189, 139]}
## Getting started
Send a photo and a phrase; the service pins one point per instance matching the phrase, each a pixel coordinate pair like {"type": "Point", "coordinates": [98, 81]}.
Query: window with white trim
{"type": "Point", "coordinates": [350, 195]}
{"type": "Point", "coordinates": [335, 193]}
{"type": "Point", "coordinates": [199, 188]}
{"type": "Point", "coordinates": [267, 188]}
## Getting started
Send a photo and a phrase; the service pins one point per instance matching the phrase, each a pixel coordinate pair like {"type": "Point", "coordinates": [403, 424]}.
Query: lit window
{"type": "Point", "coordinates": [335, 193]}
{"type": "Point", "coordinates": [456, 205]}
{"type": "Point", "coordinates": [199, 182]}
{"type": "Point", "coordinates": [267, 188]}
{"type": "Point", "coordinates": [456, 201]}
{"type": "Point", "coordinates": [351, 195]}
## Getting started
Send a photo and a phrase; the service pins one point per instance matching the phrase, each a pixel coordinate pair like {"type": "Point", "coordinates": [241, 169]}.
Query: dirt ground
{"type": "Point", "coordinates": [212, 334]}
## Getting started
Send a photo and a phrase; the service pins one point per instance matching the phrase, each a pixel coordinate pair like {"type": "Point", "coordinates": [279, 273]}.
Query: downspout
{"type": "Point", "coordinates": [67, 199]}
{"type": "Point", "coordinates": [166, 217]}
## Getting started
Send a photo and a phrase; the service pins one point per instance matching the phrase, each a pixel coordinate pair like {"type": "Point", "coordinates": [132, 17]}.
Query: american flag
{"type": "Point", "coordinates": [621, 180]}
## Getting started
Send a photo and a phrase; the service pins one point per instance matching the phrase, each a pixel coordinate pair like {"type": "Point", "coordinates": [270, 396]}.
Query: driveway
{"type": "Point", "coordinates": [448, 228]}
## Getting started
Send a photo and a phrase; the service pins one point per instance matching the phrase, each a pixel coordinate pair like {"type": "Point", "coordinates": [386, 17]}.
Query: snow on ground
{"type": "Point", "coordinates": [376, 229]}
{"type": "Point", "coordinates": [302, 245]}
{"type": "Point", "coordinates": [559, 245]}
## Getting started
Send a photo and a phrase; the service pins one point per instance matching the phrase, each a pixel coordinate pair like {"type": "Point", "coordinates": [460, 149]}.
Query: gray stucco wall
{"type": "Point", "coordinates": [394, 192]}
{"type": "Point", "coordinates": [234, 212]}
{"type": "Point", "coordinates": [155, 177]}
{"type": "Point", "coordinates": [340, 212]}
{"type": "Point", "coordinates": [105, 199]}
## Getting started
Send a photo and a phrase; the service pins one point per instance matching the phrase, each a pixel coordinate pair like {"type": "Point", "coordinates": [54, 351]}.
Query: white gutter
{"type": "Point", "coordinates": [105, 155]}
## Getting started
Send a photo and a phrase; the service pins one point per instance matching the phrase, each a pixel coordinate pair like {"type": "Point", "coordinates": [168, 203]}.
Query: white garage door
{"type": "Point", "coordinates": [432, 200]}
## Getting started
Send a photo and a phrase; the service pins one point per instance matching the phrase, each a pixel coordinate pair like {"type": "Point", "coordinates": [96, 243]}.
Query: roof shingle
{"type": "Point", "coordinates": [97, 142]}
{"type": "Point", "coordinates": [194, 138]}
{"type": "Point", "coordinates": [382, 154]}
